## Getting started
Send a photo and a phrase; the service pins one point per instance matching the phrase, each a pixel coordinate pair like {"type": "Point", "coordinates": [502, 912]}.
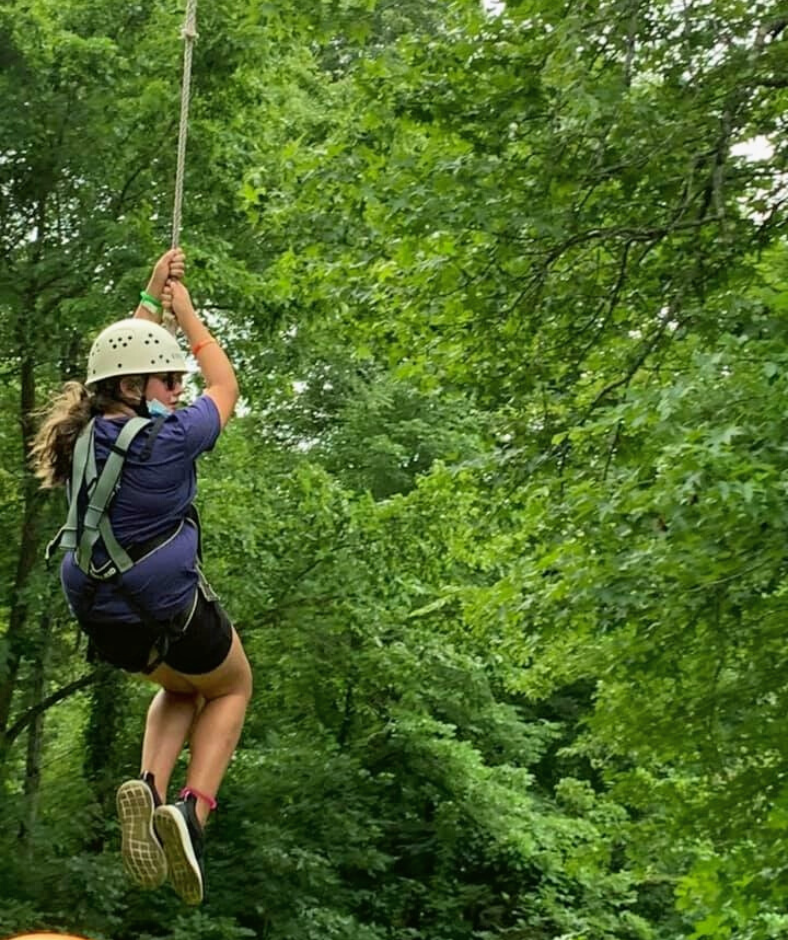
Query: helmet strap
{"type": "Point", "coordinates": [140, 407]}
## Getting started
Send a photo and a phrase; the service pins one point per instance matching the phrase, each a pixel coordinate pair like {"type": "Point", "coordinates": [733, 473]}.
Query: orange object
{"type": "Point", "coordinates": [201, 345]}
{"type": "Point", "coordinates": [45, 936]}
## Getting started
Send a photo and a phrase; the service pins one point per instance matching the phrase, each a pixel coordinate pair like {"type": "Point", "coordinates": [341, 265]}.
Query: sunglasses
{"type": "Point", "coordinates": [170, 379]}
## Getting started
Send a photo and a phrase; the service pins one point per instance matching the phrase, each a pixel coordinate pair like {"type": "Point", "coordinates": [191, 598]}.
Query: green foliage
{"type": "Point", "coordinates": [502, 524]}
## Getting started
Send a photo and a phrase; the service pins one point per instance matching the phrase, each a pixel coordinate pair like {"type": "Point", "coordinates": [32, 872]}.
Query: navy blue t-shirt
{"type": "Point", "coordinates": [153, 498]}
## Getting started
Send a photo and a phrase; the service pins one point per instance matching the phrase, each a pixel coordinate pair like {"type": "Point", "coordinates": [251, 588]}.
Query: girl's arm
{"type": "Point", "coordinates": [217, 370]}
{"type": "Point", "coordinates": [172, 264]}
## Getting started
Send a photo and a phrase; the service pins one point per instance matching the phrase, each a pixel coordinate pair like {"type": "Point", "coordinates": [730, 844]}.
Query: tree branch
{"type": "Point", "coordinates": [28, 717]}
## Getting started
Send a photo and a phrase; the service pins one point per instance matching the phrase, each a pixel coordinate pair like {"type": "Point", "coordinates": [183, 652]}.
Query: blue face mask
{"type": "Point", "coordinates": [155, 407]}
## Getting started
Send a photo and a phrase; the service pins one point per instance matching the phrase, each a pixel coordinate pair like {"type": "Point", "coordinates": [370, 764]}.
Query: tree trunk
{"type": "Point", "coordinates": [102, 736]}
{"type": "Point", "coordinates": [35, 738]}
{"type": "Point", "coordinates": [26, 560]}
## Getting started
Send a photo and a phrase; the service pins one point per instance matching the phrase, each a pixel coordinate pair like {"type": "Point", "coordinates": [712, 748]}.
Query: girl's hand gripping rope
{"type": "Point", "coordinates": [172, 264]}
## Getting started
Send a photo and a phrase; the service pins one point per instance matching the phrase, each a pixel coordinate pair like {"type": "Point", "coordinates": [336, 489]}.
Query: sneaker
{"type": "Point", "coordinates": [143, 856]}
{"type": "Point", "coordinates": [181, 835]}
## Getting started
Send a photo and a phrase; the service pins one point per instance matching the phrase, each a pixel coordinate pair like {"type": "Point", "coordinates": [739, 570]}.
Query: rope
{"type": "Point", "coordinates": [189, 34]}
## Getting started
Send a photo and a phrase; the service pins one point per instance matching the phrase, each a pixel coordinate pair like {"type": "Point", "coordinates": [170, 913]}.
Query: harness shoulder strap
{"type": "Point", "coordinates": [95, 521]}
{"type": "Point", "coordinates": [156, 426]}
{"type": "Point", "coordinates": [81, 534]}
{"type": "Point", "coordinates": [67, 537]}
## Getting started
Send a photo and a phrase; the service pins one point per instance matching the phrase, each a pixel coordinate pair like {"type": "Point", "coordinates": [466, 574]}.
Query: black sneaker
{"type": "Point", "coordinates": [143, 856]}
{"type": "Point", "coordinates": [181, 835]}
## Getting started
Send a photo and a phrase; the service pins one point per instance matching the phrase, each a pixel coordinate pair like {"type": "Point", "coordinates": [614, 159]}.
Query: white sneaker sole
{"type": "Point", "coordinates": [182, 864]}
{"type": "Point", "coordinates": [143, 856]}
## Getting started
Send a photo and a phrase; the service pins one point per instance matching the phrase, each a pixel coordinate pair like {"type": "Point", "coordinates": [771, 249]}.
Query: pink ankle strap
{"type": "Point", "coordinates": [190, 791]}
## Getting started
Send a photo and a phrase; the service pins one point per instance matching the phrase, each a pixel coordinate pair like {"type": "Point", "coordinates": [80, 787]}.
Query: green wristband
{"type": "Point", "coordinates": [145, 297]}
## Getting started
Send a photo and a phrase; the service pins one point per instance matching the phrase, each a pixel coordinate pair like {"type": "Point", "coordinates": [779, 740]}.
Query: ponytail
{"type": "Point", "coordinates": [62, 422]}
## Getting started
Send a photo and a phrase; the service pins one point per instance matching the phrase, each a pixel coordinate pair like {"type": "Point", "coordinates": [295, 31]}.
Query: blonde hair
{"type": "Point", "coordinates": [62, 421]}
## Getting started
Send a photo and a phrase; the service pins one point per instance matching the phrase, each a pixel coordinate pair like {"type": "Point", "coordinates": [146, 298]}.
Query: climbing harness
{"type": "Point", "coordinates": [189, 34]}
{"type": "Point", "coordinates": [81, 535]}
{"type": "Point", "coordinates": [85, 528]}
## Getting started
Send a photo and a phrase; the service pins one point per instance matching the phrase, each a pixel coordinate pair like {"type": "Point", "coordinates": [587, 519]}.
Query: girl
{"type": "Point", "coordinates": [158, 617]}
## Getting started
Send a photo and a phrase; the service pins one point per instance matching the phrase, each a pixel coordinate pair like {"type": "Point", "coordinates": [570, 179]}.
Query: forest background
{"type": "Point", "coordinates": [502, 520]}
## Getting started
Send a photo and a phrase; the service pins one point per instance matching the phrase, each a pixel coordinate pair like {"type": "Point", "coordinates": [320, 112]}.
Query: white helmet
{"type": "Point", "coordinates": [133, 347]}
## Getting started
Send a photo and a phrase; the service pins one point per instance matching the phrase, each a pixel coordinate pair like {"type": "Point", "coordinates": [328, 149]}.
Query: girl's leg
{"type": "Point", "coordinates": [218, 726]}
{"type": "Point", "coordinates": [214, 736]}
{"type": "Point", "coordinates": [214, 731]}
{"type": "Point", "coordinates": [170, 717]}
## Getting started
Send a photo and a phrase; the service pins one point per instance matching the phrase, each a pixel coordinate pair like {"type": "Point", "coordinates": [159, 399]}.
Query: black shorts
{"type": "Point", "coordinates": [197, 648]}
